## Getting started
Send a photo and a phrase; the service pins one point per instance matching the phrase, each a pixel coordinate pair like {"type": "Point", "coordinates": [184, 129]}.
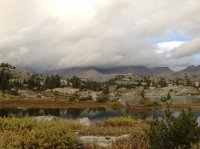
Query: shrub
{"type": "Point", "coordinates": [120, 121]}
{"type": "Point", "coordinates": [56, 93]}
{"type": "Point", "coordinates": [137, 140]}
{"type": "Point", "coordinates": [102, 98]}
{"type": "Point", "coordinates": [72, 98]}
{"type": "Point", "coordinates": [29, 133]}
{"type": "Point", "coordinates": [147, 102]}
{"type": "Point", "coordinates": [85, 98]}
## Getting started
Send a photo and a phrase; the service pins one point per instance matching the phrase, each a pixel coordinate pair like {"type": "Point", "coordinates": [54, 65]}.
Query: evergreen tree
{"type": "Point", "coordinates": [52, 82]}
{"type": "Point", "coordinates": [173, 132]}
{"type": "Point", "coordinates": [185, 129]}
{"type": "Point", "coordinates": [4, 80]}
{"type": "Point", "coordinates": [106, 89]}
{"type": "Point", "coordinates": [76, 82]}
{"type": "Point", "coordinates": [34, 83]}
{"type": "Point", "coordinates": [47, 82]}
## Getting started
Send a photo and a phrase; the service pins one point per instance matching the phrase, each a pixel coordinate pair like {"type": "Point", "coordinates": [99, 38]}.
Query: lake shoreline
{"type": "Point", "coordinates": [51, 104]}
{"type": "Point", "coordinates": [88, 104]}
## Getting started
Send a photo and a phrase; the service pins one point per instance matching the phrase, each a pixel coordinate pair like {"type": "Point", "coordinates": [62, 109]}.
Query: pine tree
{"type": "Point", "coordinates": [173, 132]}
{"type": "Point", "coordinates": [52, 82]}
{"type": "Point", "coordinates": [4, 80]}
{"type": "Point", "coordinates": [106, 89]}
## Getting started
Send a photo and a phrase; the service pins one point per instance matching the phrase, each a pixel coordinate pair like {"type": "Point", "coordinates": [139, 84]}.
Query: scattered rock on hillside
{"type": "Point", "coordinates": [131, 98]}
{"type": "Point", "coordinates": [27, 93]}
{"type": "Point", "coordinates": [103, 141]}
{"type": "Point", "coordinates": [68, 90]}
{"type": "Point", "coordinates": [174, 90]}
{"type": "Point", "coordinates": [18, 74]}
{"type": "Point", "coordinates": [88, 93]}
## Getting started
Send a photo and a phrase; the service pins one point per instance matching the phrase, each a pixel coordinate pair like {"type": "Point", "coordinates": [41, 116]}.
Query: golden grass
{"type": "Point", "coordinates": [11, 127]}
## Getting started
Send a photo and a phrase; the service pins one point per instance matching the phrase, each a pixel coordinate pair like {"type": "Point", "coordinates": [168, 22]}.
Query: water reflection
{"type": "Point", "coordinates": [91, 113]}
{"type": "Point", "coordinates": [94, 114]}
{"type": "Point", "coordinates": [178, 99]}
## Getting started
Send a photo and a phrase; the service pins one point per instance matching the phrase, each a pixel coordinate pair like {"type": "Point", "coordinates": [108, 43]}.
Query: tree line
{"type": "Point", "coordinates": [76, 82]}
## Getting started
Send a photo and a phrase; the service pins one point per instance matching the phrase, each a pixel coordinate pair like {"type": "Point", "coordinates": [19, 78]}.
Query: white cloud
{"type": "Point", "coordinates": [166, 47]}
{"type": "Point", "coordinates": [98, 33]}
{"type": "Point", "coordinates": [188, 48]}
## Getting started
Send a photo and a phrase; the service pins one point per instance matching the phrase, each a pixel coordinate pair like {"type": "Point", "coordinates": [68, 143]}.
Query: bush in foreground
{"type": "Point", "coordinates": [138, 140]}
{"type": "Point", "coordinates": [29, 133]}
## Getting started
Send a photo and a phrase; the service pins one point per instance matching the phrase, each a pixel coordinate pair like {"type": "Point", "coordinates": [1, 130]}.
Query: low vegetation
{"type": "Point", "coordinates": [102, 98]}
{"type": "Point", "coordinates": [120, 121]}
{"type": "Point", "coordinates": [29, 133]}
{"type": "Point", "coordinates": [138, 140]}
{"type": "Point", "coordinates": [179, 132]}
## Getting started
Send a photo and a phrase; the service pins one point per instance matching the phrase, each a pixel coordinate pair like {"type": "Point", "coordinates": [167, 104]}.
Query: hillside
{"type": "Point", "coordinates": [18, 74]}
{"type": "Point", "coordinates": [124, 85]}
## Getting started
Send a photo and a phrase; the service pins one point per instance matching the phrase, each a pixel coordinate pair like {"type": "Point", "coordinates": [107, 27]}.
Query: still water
{"type": "Point", "coordinates": [98, 114]}
{"type": "Point", "coordinates": [178, 99]}
{"type": "Point", "coordinates": [95, 114]}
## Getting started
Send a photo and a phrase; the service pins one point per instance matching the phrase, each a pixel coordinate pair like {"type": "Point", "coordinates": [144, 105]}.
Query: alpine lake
{"type": "Point", "coordinates": [97, 114]}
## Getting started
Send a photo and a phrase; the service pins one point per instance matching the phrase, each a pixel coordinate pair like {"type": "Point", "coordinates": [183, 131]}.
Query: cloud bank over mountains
{"type": "Point", "coordinates": [54, 34]}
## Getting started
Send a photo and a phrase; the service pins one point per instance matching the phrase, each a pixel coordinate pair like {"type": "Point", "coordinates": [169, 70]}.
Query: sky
{"type": "Point", "coordinates": [56, 34]}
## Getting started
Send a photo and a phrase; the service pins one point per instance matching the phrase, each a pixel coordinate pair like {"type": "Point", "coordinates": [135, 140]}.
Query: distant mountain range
{"type": "Point", "coordinates": [103, 74]}
{"type": "Point", "coordinates": [192, 69]}
{"type": "Point", "coordinates": [87, 71]}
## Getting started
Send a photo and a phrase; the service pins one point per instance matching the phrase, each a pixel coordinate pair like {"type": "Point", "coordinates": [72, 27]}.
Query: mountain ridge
{"type": "Point", "coordinates": [112, 70]}
{"type": "Point", "coordinates": [192, 69]}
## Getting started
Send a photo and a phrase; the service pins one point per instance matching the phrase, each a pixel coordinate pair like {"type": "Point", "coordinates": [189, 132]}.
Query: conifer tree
{"type": "Point", "coordinates": [4, 80]}
{"type": "Point", "coordinates": [173, 132]}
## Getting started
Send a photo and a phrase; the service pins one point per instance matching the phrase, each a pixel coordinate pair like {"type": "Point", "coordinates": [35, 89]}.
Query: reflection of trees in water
{"type": "Point", "coordinates": [75, 113]}
{"type": "Point", "coordinates": [137, 114]}
{"type": "Point", "coordinates": [176, 112]}
{"type": "Point", "coordinates": [22, 112]}
{"type": "Point", "coordinates": [12, 112]}
{"type": "Point", "coordinates": [15, 112]}
{"type": "Point", "coordinates": [93, 110]}
{"type": "Point", "coordinates": [144, 114]}
{"type": "Point", "coordinates": [101, 110]}
{"type": "Point", "coordinates": [54, 112]}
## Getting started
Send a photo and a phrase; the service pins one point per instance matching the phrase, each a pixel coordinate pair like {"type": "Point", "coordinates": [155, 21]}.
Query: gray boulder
{"type": "Point", "coordinates": [84, 121]}
{"type": "Point", "coordinates": [103, 141]}
{"type": "Point", "coordinates": [131, 98]}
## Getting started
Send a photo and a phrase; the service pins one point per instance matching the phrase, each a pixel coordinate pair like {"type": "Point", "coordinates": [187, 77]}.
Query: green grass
{"type": "Point", "coordinates": [120, 121]}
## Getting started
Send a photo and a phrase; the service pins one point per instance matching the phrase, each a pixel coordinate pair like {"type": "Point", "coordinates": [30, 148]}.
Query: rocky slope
{"type": "Point", "coordinates": [192, 69]}
{"type": "Point", "coordinates": [18, 74]}
{"type": "Point", "coordinates": [173, 90]}
{"type": "Point", "coordinates": [194, 76]}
